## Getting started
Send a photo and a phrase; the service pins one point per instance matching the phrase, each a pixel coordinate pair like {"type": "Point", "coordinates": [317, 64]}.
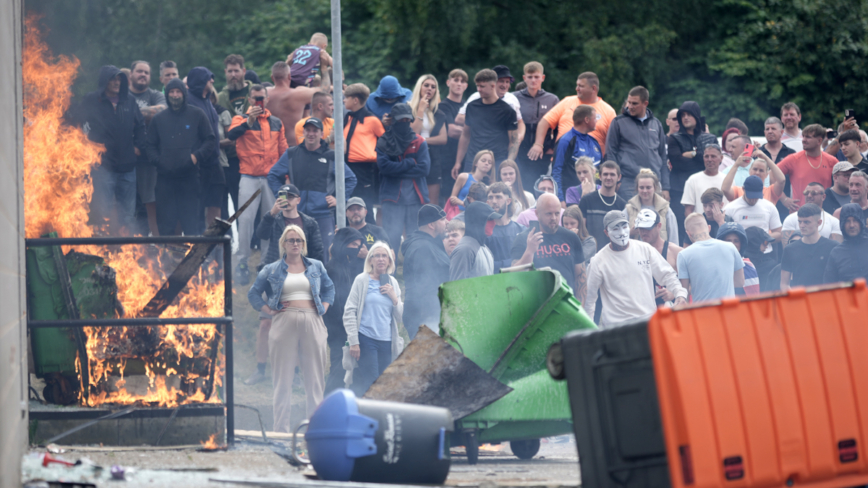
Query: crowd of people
{"type": "Point", "coordinates": [632, 212]}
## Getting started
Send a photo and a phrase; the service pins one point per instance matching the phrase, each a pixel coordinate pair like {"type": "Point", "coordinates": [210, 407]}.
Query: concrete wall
{"type": "Point", "coordinates": [13, 335]}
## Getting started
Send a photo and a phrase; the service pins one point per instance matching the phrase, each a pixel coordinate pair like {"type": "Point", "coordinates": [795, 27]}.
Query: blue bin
{"type": "Point", "coordinates": [351, 439]}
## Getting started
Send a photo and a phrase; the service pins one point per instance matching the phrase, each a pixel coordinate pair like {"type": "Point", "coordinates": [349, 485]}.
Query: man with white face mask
{"type": "Point", "coordinates": [624, 272]}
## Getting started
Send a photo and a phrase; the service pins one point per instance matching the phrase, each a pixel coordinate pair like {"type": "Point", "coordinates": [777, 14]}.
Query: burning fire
{"type": "Point", "coordinates": [210, 444]}
{"type": "Point", "coordinates": [57, 163]}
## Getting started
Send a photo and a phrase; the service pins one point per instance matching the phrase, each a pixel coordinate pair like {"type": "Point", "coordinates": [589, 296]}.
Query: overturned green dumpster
{"type": "Point", "coordinates": [504, 324]}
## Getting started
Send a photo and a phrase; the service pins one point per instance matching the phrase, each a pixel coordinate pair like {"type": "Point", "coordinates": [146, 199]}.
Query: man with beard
{"type": "Point", "coordinates": [200, 82]}
{"type": "Point", "coordinates": [546, 244]}
{"type": "Point", "coordinates": [181, 145]}
{"type": "Point", "coordinates": [403, 162]}
{"type": "Point", "coordinates": [624, 273]}
{"type": "Point", "coordinates": [426, 267]}
{"type": "Point", "coordinates": [849, 260]}
{"type": "Point", "coordinates": [471, 258]}
{"type": "Point", "coordinates": [233, 97]}
{"type": "Point", "coordinates": [357, 212]}
{"type": "Point", "coordinates": [505, 230]}
{"type": "Point", "coordinates": [345, 264]}
{"type": "Point", "coordinates": [150, 103]}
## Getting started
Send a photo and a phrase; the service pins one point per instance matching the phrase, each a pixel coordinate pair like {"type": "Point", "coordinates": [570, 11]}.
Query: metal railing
{"type": "Point", "coordinates": [225, 322]}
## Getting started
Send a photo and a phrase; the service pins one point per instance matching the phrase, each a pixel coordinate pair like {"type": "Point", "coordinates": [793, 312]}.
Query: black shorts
{"type": "Point", "coordinates": [213, 195]}
{"type": "Point", "coordinates": [434, 174]}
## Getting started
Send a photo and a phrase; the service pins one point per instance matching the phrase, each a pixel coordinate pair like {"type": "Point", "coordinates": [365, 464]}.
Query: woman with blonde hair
{"type": "Point", "coordinates": [521, 199]}
{"type": "Point", "coordinates": [371, 317]}
{"type": "Point", "coordinates": [648, 196]}
{"type": "Point", "coordinates": [430, 123]}
{"type": "Point", "coordinates": [299, 293]}
{"type": "Point", "coordinates": [574, 221]}
{"type": "Point", "coordinates": [586, 172]}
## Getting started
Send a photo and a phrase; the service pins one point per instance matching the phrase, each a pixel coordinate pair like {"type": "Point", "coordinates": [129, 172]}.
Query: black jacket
{"type": "Point", "coordinates": [342, 268]}
{"type": "Point", "coordinates": [176, 134]}
{"type": "Point", "coordinates": [849, 260]}
{"type": "Point", "coordinates": [121, 129]}
{"type": "Point", "coordinates": [197, 78]}
{"type": "Point", "coordinates": [426, 267]}
{"type": "Point", "coordinates": [682, 142]}
{"type": "Point", "coordinates": [271, 227]}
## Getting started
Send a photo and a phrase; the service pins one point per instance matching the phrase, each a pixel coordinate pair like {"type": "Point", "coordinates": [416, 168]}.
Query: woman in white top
{"type": "Point", "coordinates": [371, 317]}
{"type": "Point", "coordinates": [429, 123]}
{"type": "Point", "coordinates": [522, 200]}
{"type": "Point", "coordinates": [299, 293]}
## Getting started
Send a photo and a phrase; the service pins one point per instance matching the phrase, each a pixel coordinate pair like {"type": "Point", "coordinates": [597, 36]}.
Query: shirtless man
{"type": "Point", "coordinates": [287, 104]}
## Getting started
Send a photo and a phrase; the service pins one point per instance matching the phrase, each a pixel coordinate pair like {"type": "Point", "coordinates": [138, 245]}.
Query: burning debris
{"type": "Point", "coordinates": [173, 365]}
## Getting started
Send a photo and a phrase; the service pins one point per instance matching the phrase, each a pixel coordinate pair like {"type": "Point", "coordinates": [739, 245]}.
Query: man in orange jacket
{"type": "Point", "coordinates": [260, 141]}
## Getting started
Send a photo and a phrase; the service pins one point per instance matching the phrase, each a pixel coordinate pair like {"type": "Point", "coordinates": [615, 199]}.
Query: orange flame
{"type": "Point", "coordinates": [57, 164]}
{"type": "Point", "coordinates": [210, 444]}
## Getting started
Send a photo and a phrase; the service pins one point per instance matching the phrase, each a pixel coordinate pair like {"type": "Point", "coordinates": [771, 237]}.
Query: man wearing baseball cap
{"type": "Point", "coordinates": [310, 166]}
{"type": "Point", "coordinates": [649, 225]}
{"type": "Point", "coordinates": [357, 211]}
{"type": "Point", "coordinates": [751, 210]}
{"type": "Point", "coordinates": [624, 272]}
{"type": "Point", "coordinates": [426, 267]}
{"type": "Point", "coordinates": [838, 194]}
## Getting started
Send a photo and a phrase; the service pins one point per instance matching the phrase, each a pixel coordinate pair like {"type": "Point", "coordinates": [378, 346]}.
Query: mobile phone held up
{"type": "Point", "coordinates": [749, 150]}
{"type": "Point", "coordinates": [384, 279]}
{"type": "Point", "coordinates": [850, 114]}
{"type": "Point", "coordinates": [259, 102]}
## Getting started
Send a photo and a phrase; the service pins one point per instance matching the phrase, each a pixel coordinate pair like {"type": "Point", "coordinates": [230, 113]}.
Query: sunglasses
{"type": "Point", "coordinates": [295, 241]}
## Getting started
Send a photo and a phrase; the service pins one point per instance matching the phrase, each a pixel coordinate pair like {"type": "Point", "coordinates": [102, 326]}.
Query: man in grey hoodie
{"type": "Point", "coordinates": [636, 140]}
{"type": "Point", "coordinates": [471, 258]}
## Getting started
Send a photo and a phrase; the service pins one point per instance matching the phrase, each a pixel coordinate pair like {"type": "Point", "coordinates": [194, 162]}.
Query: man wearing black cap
{"type": "Point", "coordinates": [357, 210]}
{"type": "Point", "coordinates": [311, 168]}
{"type": "Point", "coordinates": [404, 162]}
{"type": "Point", "coordinates": [490, 123]}
{"type": "Point", "coordinates": [471, 258]}
{"type": "Point", "coordinates": [426, 267]}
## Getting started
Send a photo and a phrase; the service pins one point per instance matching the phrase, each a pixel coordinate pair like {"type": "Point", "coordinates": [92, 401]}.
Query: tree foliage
{"type": "Point", "coordinates": [736, 58]}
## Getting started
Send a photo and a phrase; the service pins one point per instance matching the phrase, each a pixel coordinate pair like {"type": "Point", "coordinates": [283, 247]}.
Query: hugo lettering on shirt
{"type": "Point", "coordinates": [553, 250]}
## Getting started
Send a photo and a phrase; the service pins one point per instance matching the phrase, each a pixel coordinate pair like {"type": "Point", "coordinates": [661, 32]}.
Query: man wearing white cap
{"type": "Point", "coordinates": [624, 273]}
{"type": "Point", "coordinates": [649, 225]}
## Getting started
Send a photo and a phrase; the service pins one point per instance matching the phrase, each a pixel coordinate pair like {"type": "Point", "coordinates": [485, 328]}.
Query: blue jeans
{"type": "Point", "coordinates": [397, 218]}
{"type": "Point", "coordinates": [113, 190]}
{"type": "Point", "coordinates": [375, 357]}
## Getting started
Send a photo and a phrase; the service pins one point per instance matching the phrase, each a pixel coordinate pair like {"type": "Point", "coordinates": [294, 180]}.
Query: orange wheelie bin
{"type": "Point", "coordinates": [766, 392]}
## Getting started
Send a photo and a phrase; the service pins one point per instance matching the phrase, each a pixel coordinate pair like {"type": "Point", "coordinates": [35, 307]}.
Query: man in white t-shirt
{"type": "Point", "coordinates": [830, 227]}
{"type": "Point", "coordinates": [699, 182]}
{"type": "Point", "coordinates": [624, 271]}
{"type": "Point", "coordinates": [752, 211]}
{"type": "Point", "coordinates": [791, 116]}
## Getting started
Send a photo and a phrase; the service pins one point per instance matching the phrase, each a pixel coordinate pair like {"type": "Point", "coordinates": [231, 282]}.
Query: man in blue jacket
{"type": "Point", "coordinates": [573, 145]}
{"type": "Point", "coordinates": [387, 95]}
{"type": "Point", "coordinates": [404, 162]}
{"type": "Point", "coordinates": [311, 168]}
{"type": "Point", "coordinates": [111, 116]}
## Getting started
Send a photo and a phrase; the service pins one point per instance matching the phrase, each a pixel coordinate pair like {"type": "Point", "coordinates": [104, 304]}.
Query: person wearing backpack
{"type": "Point", "coordinates": [311, 168]}
{"type": "Point", "coordinates": [573, 145]}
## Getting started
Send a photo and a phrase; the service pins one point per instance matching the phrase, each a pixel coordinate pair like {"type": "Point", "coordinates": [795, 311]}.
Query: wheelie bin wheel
{"type": "Point", "coordinates": [525, 449]}
{"type": "Point", "coordinates": [471, 445]}
{"type": "Point", "coordinates": [555, 361]}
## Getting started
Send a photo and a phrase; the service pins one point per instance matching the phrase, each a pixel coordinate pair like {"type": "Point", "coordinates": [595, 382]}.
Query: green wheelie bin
{"type": "Point", "coordinates": [505, 324]}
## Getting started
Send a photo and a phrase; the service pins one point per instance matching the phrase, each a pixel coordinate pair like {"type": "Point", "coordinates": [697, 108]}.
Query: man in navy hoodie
{"type": "Point", "coordinates": [310, 166]}
{"type": "Point", "coordinates": [387, 95]}
{"type": "Point", "coordinates": [200, 82]}
{"type": "Point", "coordinates": [181, 145]}
{"type": "Point", "coordinates": [110, 116]}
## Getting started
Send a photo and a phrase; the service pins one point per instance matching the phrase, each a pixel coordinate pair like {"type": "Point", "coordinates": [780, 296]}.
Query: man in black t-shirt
{"type": "Point", "coordinates": [805, 261]}
{"type": "Point", "coordinates": [489, 123]}
{"type": "Point", "coordinates": [457, 84]}
{"type": "Point", "coordinates": [356, 213]}
{"type": "Point", "coordinates": [596, 205]}
{"type": "Point", "coordinates": [545, 243]}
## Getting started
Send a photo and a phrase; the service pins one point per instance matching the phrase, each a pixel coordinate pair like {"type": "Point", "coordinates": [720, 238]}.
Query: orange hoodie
{"type": "Point", "coordinates": [260, 146]}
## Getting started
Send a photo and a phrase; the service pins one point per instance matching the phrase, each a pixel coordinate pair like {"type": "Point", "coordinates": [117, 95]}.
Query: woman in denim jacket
{"type": "Point", "coordinates": [299, 292]}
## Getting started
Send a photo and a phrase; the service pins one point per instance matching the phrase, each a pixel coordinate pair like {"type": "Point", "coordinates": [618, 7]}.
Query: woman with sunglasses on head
{"type": "Point", "coordinates": [299, 293]}
{"type": "Point", "coordinates": [371, 317]}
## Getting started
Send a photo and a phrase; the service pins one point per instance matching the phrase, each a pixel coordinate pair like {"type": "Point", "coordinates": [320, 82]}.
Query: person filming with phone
{"type": "Point", "coordinates": [260, 140]}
